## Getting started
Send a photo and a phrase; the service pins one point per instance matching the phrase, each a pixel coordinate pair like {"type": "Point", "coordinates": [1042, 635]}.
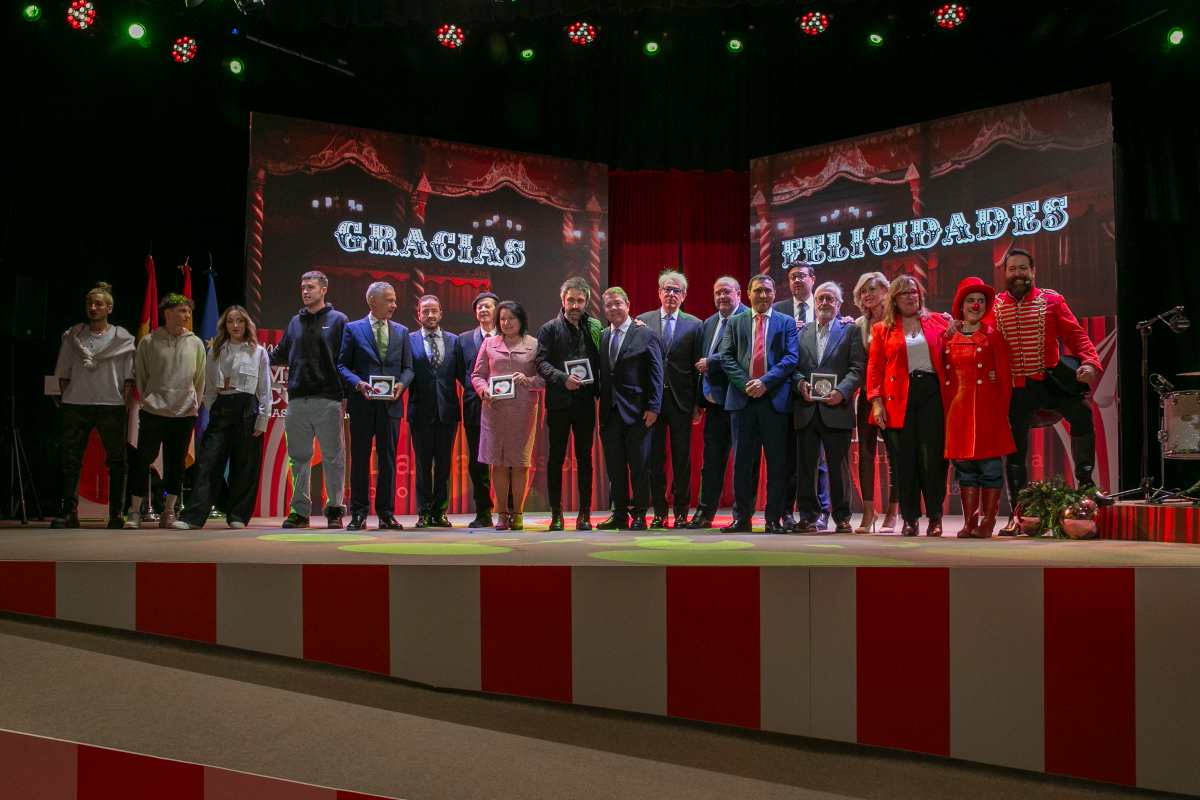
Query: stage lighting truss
{"type": "Point", "coordinates": [450, 36]}
{"type": "Point", "coordinates": [581, 33]}
{"type": "Point", "coordinates": [184, 50]}
{"type": "Point", "coordinates": [950, 15]}
{"type": "Point", "coordinates": [814, 23]}
{"type": "Point", "coordinates": [81, 14]}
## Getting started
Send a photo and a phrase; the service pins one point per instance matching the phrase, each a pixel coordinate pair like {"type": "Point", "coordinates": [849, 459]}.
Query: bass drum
{"type": "Point", "coordinates": [1181, 425]}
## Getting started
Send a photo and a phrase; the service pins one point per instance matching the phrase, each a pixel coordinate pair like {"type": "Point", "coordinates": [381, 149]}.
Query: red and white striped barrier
{"type": "Point", "coordinates": [1085, 672]}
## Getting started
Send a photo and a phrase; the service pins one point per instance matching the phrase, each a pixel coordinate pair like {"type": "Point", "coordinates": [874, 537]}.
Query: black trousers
{"type": "Point", "coordinates": [718, 446]}
{"type": "Point", "coordinates": [677, 425]}
{"type": "Point", "coordinates": [1027, 400]}
{"type": "Point", "coordinates": [920, 448]}
{"type": "Point", "coordinates": [626, 456]}
{"type": "Point", "coordinates": [173, 435]}
{"type": "Point", "coordinates": [579, 419]}
{"type": "Point", "coordinates": [816, 439]}
{"type": "Point", "coordinates": [869, 437]}
{"type": "Point", "coordinates": [111, 422]}
{"type": "Point", "coordinates": [230, 438]}
{"type": "Point", "coordinates": [370, 423]}
{"type": "Point", "coordinates": [821, 476]}
{"type": "Point", "coordinates": [481, 474]}
{"type": "Point", "coordinates": [759, 430]}
{"type": "Point", "coordinates": [433, 446]}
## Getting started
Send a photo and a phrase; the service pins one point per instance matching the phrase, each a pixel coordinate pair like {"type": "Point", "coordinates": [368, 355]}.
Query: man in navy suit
{"type": "Point", "coordinates": [469, 343]}
{"type": "Point", "coordinates": [829, 346]}
{"type": "Point", "coordinates": [374, 345]}
{"type": "Point", "coordinates": [758, 356]}
{"type": "Point", "coordinates": [433, 412]}
{"type": "Point", "coordinates": [679, 333]}
{"type": "Point", "coordinates": [631, 393]}
{"type": "Point", "coordinates": [718, 430]}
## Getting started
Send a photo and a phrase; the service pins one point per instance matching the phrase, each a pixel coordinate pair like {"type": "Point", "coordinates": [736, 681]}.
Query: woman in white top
{"type": "Point", "coordinates": [237, 394]}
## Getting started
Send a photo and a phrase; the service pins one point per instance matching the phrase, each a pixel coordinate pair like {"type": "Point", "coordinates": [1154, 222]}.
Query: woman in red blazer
{"type": "Point", "coordinates": [903, 384]}
{"type": "Point", "coordinates": [976, 390]}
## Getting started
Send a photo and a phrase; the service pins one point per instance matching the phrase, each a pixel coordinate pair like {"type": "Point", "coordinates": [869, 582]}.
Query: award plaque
{"type": "Point", "coordinates": [821, 385]}
{"type": "Point", "coordinates": [502, 387]}
{"type": "Point", "coordinates": [382, 387]}
{"type": "Point", "coordinates": [580, 369]}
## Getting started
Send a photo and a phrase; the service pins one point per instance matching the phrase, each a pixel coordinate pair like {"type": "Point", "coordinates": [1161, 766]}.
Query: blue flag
{"type": "Point", "coordinates": [207, 330]}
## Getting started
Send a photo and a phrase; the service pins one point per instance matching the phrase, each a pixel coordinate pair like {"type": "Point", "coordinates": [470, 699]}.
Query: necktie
{"type": "Point", "coordinates": [435, 355]}
{"type": "Point", "coordinates": [381, 337]}
{"type": "Point", "coordinates": [758, 359]}
{"type": "Point", "coordinates": [614, 347]}
{"type": "Point", "coordinates": [802, 312]}
{"type": "Point", "coordinates": [716, 342]}
{"type": "Point", "coordinates": [668, 330]}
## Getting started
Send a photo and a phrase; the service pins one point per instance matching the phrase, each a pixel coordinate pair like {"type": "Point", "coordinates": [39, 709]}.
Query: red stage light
{"type": "Point", "coordinates": [184, 50]}
{"type": "Point", "coordinates": [950, 15]}
{"type": "Point", "coordinates": [81, 14]}
{"type": "Point", "coordinates": [814, 23]}
{"type": "Point", "coordinates": [581, 33]}
{"type": "Point", "coordinates": [451, 36]}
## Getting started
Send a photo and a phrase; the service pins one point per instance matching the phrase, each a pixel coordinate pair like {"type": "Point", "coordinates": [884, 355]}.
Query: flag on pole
{"type": "Point", "coordinates": [187, 283]}
{"type": "Point", "coordinates": [208, 331]}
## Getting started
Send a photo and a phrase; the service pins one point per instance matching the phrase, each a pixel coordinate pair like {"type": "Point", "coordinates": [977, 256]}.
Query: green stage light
{"type": "Point", "coordinates": [735, 45]}
{"type": "Point", "coordinates": [137, 31]}
{"type": "Point", "coordinates": [32, 12]}
{"type": "Point", "coordinates": [650, 48]}
{"type": "Point", "coordinates": [237, 66]}
{"type": "Point", "coordinates": [1175, 36]}
{"type": "Point", "coordinates": [875, 39]}
{"type": "Point", "coordinates": [527, 54]}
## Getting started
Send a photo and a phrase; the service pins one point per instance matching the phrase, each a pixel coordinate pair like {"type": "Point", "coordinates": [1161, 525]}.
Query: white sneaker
{"type": "Point", "coordinates": [180, 525]}
{"type": "Point", "coordinates": [237, 526]}
{"type": "Point", "coordinates": [133, 521]}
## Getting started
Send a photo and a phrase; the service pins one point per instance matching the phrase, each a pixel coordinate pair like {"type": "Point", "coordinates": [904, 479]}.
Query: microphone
{"type": "Point", "coordinates": [1179, 321]}
{"type": "Point", "coordinates": [1161, 384]}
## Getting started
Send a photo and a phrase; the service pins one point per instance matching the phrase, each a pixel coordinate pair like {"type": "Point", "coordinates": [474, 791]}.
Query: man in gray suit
{"type": "Point", "coordinates": [822, 414]}
{"type": "Point", "coordinates": [679, 333]}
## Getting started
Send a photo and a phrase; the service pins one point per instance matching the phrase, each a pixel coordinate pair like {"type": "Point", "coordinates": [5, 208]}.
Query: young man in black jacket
{"type": "Point", "coordinates": [316, 399]}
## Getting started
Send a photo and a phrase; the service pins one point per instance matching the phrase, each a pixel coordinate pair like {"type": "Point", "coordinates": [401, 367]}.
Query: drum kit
{"type": "Point", "coordinates": [1180, 432]}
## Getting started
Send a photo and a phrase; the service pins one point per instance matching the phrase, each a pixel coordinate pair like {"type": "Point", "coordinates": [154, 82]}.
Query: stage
{"type": "Point", "coordinates": [1069, 657]}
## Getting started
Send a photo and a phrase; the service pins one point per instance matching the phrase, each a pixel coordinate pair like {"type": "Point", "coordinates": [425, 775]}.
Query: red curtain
{"type": "Point", "coordinates": [696, 222]}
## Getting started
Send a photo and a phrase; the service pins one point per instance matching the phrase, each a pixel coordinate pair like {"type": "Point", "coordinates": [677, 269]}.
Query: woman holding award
{"type": "Point", "coordinates": [506, 377]}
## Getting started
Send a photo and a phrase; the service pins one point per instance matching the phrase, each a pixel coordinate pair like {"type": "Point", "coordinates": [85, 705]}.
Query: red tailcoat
{"type": "Point", "coordinates": [887, 365]}
{"type": "Point", "coordinates": [976, 389]}
{"type": "Point", "coordinates": [1033, 327]}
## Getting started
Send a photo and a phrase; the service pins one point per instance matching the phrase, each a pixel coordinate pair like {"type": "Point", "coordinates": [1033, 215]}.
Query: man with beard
{"type": "Point", "coordinates": [1032, 320]}
{"type": "Point", "coordinates": [469, 343]}
{"type": "Point", "coordinates": [433, 412]}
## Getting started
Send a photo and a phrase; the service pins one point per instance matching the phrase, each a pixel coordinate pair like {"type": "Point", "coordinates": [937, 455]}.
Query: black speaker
{"type": "Point", "coordinates": [24, 307]}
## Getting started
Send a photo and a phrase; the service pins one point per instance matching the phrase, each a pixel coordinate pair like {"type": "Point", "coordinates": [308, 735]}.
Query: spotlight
{"type": "Point", "coordinates": [31, 12]}
{"type": "Point", "coordinates": [528, 54]}
{"type": "Point", "coordinates": [735, 45]}
{"type": "Point", "coordinates": [950, 15]}
{"type": "Point", "coordinates": [1175, 36]}
{"type": "Point", "coordinates": [137, 31]}
{"type": "Point", "coordinates": [184, 50]}
{"type": "Point", "coordinates": [237, 66]}
{"type": "Point", "coordinates": [450, 36]}
{"type": "Point", "coordinates": [875, 40]}
{"type": "Point", "coordinates": [814, 23]}
{"type": "Point", "coordinates": [581, 33]}
{"type": "Point", "coordinates": [81, 15]}
{"type": "Point", "coordinates": [650, 48]}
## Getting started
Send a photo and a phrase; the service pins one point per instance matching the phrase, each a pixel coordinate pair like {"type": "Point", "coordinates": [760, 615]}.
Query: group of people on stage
{"type": "Point", "coordinates": [789, 380]}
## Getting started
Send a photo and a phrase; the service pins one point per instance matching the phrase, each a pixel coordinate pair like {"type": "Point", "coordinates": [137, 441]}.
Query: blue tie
{"type": "Point", "coordinates": [669, 331]}
{"type": "Point", "coordinates": [613, 347]}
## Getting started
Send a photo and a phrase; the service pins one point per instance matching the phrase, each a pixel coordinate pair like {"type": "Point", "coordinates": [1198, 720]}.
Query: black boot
{"type": "Point", "coordinates": [556, 519]}
{"type": "Point", "coordinates": [1016, 478]}
{"type": "Point", "coordinates": [69, 518]}
{"type": "Point", "coordinates": [1083, 451]}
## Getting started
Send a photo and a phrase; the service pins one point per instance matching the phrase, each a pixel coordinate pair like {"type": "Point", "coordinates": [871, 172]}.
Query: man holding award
{"type": "Point", "coordinates": [376, 363]}
{"type": "Point", "coordinates": [830, 369]}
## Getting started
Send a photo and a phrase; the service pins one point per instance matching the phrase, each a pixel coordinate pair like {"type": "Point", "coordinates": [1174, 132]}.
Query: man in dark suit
{"type": "Point", "coordinates": [679, 335]}
{"type": "Point", "coordinates": [433, 412]}
{"type": "Point", "coordinates": [758, 356]}
{"type": "Point", "coordinates": [374, 345]}
{"type": "Point", "coordinates": [800, 307]}
{"type": "Point", "coordinates": [469, 343]}
{"type": "Point", "coordinates": [631, 390]}
{"type": "Point", "coordinates": [718, 430]}
{"type": "Point", "coordinates": [829, 346]}
{"type": "Point", "coordinates": [570, 403]}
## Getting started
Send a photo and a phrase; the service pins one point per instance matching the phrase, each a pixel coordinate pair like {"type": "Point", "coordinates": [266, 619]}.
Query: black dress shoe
{"type": "Point", "coordinates": [67, 521]}
{"type": "Point", "coordinates": [440, 521]}
{"type": "Point", "coordinates": [738, 526]}
{"type": "Point", "coordinates": [615, 523]}
{"type": "Point", "coordinates": [844, 527]}
{"type": "Point", "coordinates": [556, 521]}
{"type": "Point", "coordinates": [804, 526]}
{"type": "Point", "coordinates": [777, 527]}
{"type": "Point", "coordinates": [389, 523]}
{"type": "Point", "coordinates": [584, 521]}
{"type": "Point", "coordinates": [787, 521]}
{"type": "Point", "coordinates": [680, 521]}
{"type": "Point", "coordinates": [659, 521]}
{"type": "Point", "coordinates": [822, 522]}
{"type": "Point", "coordinates": [700, 522]}
{"type": "Point", "coordinates": [909, 529]}
{"type": "Point", "coordinates": [423, 521]}
{"type": "Point", "coordinates": [482, 520]}
{"type": "Point", "coordinates": [638, 523]}
{"type": "Point", "coordinates": [358, 522]}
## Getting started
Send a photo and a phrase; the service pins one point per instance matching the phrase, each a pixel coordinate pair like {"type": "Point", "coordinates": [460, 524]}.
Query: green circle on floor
{"type": "Point", "coordinates": [316, 537]}
{"type": "Point", "coordinates": [681, 544]}
{"type": "Point", "coordinates": [427, 549]}
{"type": "Point", "coordinates": [676, 557]}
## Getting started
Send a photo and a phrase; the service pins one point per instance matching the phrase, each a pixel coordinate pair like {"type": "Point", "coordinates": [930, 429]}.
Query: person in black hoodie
{"type": "Point", "coordinates": [316, 401]}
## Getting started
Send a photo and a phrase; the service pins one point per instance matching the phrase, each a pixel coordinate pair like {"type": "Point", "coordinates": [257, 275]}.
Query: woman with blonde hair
{"type": "Point", "coordinates": [904, 370]}
{"type": "Point", "coordinates": [869, 294]}
{"type": "Point", "coordinates": [237, 394]}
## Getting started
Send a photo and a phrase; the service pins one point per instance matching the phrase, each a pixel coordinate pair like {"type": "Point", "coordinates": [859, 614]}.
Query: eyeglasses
{"type": "Point", "coordinates": [908, 291]}
{"type": "Point", "coordinates": [670, 289]}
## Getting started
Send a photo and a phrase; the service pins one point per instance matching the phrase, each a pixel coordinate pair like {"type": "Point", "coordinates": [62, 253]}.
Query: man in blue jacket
{"type": "Point", "coordinates": [316, 399]}
{"type": "Point", "coordinates": [433, 412]}
{"type": "Point", "coordinates": [469, 343]}
{"type": "Point", "coordinates": [373, 346]}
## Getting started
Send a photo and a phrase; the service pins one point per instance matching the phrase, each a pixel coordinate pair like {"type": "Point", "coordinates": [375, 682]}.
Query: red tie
{"type": "Point", "coordinates": [758, 359]}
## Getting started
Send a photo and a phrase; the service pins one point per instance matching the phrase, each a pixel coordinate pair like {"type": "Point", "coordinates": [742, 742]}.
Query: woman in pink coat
{"type": "Point", "coordinates": [508, 425]}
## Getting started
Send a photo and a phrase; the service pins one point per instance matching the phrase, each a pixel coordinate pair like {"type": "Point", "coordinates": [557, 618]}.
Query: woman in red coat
{"type": "Point", "coordinates": [903, 384]}
{"type": "Point", "coordinates": [975, 392]}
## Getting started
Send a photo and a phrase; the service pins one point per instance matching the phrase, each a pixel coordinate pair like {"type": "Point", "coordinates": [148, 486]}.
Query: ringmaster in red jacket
{"type": "Point", "coordinates": [976, 390]}
{"type": "Point", "coordinates": [1033, 321]}
{"type": "Point", "coordinates": [903, 383]}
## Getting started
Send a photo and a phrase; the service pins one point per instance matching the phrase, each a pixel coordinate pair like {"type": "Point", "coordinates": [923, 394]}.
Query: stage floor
{"type": "Point", "coordinates": [265, 542]}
